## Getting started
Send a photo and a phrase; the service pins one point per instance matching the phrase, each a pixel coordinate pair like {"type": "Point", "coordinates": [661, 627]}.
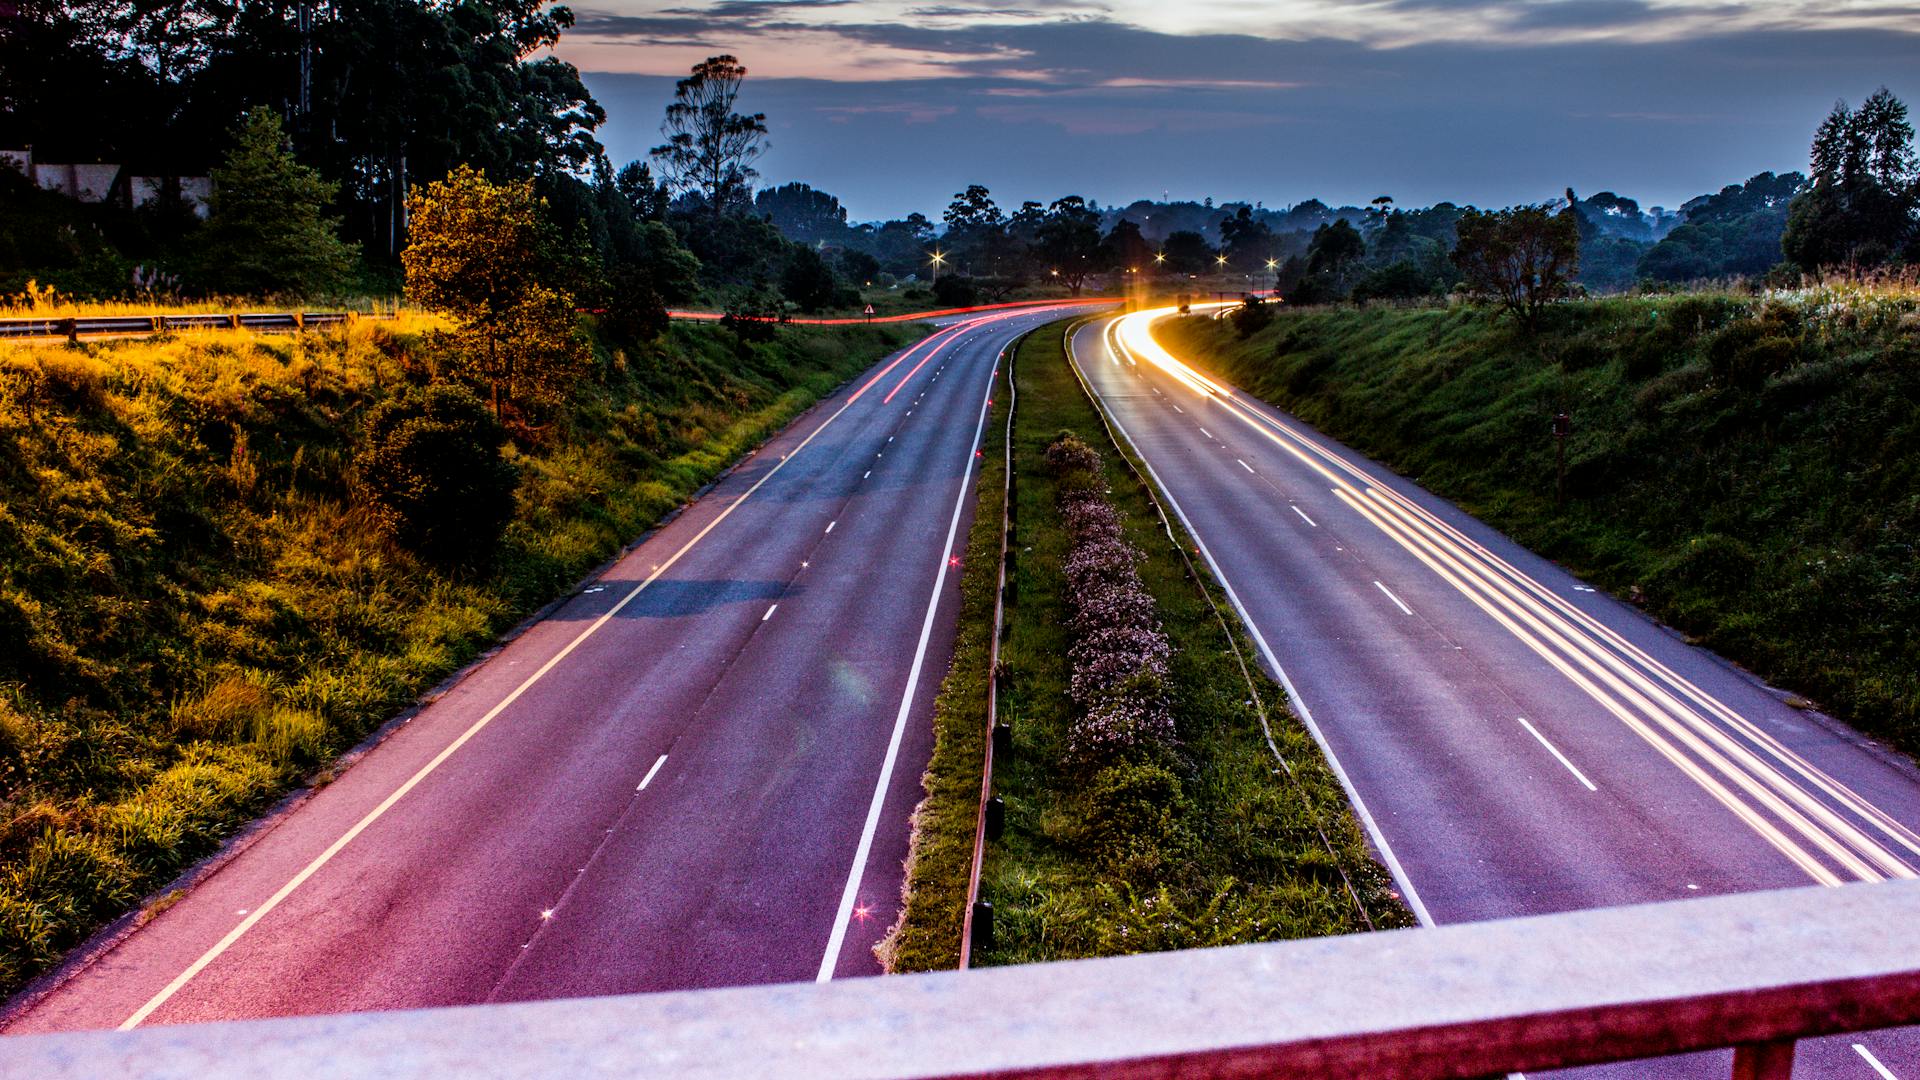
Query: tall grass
{"type": "Point", "coordinates": [194, 614]}
{"type": "Point", "coordinates": [1745, 465]}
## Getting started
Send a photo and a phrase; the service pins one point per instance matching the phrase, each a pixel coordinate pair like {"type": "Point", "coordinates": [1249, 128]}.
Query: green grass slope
{"type": "Point", "coordinates": [1748, 469]}
{"type": "Point", "coordinates": [195, 616]}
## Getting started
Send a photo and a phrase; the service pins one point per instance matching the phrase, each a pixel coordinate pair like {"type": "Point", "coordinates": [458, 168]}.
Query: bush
{"type": "Point", "coordinates": [430, 467]}
{"type": "Point", "coordinates": [1134, 821]}
{"type": "Point", "coordinates": [1744, 354]}
{"type": "Point", "coordinates": [955, 291]}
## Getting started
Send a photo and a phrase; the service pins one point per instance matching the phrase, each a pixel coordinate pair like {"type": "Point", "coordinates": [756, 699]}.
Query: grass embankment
{"type": "Point", "coordinates": [194, 614]}
{"type": "Point", "coordinates": [1089, 865]}
{"type": "Point", "coordinates": [1747, 468]}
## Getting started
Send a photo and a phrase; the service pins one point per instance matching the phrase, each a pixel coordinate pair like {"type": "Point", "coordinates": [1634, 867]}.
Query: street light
{"type": "Point", "coordinates": [1159, 257]}
{"type": "Point", "coordinates": [939, 260]}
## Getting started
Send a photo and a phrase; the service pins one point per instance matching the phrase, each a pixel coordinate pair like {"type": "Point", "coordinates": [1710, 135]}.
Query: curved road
{"type": "Point", "coordinates": [1516, 742]}
{"type": "Point", "coordinates": [696, 772]}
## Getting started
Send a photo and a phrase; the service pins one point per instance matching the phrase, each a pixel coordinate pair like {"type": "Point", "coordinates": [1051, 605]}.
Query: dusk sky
{"type": "Point", "coordinates": [894, 105]}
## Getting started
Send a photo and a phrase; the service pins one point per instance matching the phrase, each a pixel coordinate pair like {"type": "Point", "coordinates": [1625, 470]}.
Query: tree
{"type": "Point", "coordinates": [647, 200]}
{"type": "Point", "coordinates": [1246, 240]}
{"type": "Point", "coordinates": [710, 149]}
{"type": "Point", "coordinates": [802, 213]}
{"type": "Point", "coordinates": [1187, 252]}
{"type": "Point", "coordinates": [267, 232]}
{"type": "Point", "coordinates": [1861, 206]}
{"type": "Point", "coordinates": [430, 468]}
{"type": "Point", "coordinates": [1521, 259]}
{"type": "Point", "coordinates": [1070, 241]}
{"type": "Point", "coordinates": [483, 253]}
{"type": "Point", "coordinates": [806, 280]}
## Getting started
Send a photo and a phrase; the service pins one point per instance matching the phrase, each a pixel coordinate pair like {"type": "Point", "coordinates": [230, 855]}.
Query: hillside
{"type": "Point", "coordinates": [1747, 469]}
{"type": "Point", "coordinates": [195, 615]}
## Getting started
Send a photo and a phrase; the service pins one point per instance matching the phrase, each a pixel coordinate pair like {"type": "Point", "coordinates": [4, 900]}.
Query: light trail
{"type": "Point", "coordinates": [1709, 742]}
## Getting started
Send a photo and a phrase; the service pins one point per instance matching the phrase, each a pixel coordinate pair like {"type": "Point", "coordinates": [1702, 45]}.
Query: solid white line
{"type": "Point", "coordinates": [1244, 465]}
{"type": "Point", "coordinates": [769, 613]}
{"type": "Point", "coordinates": [831, 524]}
{"type": "Point", "coordinates": [1558, 756]}
{"type": "Point", "coordinates": [831, 958]}
{"type": "Point", "coordinates": [1394, 869]}
{"type": "Point", "coordinates": [648, 779]}
{"type": "Point", "coordinates": [1304, 517]}
{"type": "Point", "coordinates": [1395, 599]}
{"type": "Point", "coordinates": [1205, 432]}
{"type": "Point", "coordinates": [1885, 1073]}
{"type": "Point", "coordinates": [333, 849]}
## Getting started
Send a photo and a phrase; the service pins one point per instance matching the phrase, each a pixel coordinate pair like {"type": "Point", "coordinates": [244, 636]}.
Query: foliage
{"type": "Point", "coordinates": [483, 253]}
{"type": "Point", "coordinates": [1069, 241]}
{"type": "Point", "coordinates": [1861, 207]}
{"type": "Point", "coordinates": [1784, 421]}
{"type": "Point", "coordinates": [195, 609]}
{"type": "Point", "coordinates": [266, 234]}
{"type": "Point", "coordinates": [710, 149]}
{"type": "Point", "coordinates": [807, 281]}
{"type": "Point", "coordinates": [802, 213]}
{"type": "Point", "coordinates": [1520, 259]}
{"type": "Point", "coordinates": [429, 464]}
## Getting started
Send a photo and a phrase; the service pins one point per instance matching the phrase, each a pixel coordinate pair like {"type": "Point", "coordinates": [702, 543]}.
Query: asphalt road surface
{"type": "Point", "coordinates": [696, 772]}
{"type": "Point", "coordinates": [1517, 743]}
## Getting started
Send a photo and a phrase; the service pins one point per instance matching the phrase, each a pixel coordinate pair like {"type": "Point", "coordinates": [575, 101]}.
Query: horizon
{"type": "Point", "coordinates": [1657, 103]}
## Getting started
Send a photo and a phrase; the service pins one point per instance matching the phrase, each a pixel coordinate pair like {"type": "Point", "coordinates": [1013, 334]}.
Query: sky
{"type": "Point", "coordinates": [895, 105]}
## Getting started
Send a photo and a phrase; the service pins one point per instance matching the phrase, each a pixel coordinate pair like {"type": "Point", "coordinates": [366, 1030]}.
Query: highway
{"type": "Point", "coordinates": [696, 772]}
{"type": "Point", "coordinates": [1515, 742]}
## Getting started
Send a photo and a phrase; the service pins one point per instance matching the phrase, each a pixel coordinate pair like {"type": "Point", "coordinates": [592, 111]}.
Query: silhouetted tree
{"type": "Point", "coordinates": [710, 148]}
{"type": "Point", "coordinates": [1521, 259]}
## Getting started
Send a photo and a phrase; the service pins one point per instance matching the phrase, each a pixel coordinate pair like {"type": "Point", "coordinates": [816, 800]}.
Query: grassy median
{"type": "Point", "coordinates": [1208, 844]}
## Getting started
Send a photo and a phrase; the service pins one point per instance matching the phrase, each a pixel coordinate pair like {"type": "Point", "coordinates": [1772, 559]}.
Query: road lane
{"type": "Point", "coordinates": [1519, 743]}
{"type": "Point", "coordinates": [661, 785]}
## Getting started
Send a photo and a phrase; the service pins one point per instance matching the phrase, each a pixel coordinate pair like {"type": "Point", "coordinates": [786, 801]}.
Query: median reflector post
{"type": "Point", "coordinates": [996, 817]}
{"type": "Point", "coordinates": [1002, 741]}
{"type": "Point", "coordinates": [982, 929]}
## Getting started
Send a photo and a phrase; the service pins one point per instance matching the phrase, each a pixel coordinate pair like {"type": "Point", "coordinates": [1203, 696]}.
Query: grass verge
{"type": "Point", "coordinates": [1243, 858]}
{"type": "Point", "coordinates": [1747, 468]}
{"type": "Point", "coordinates": [195, 615]}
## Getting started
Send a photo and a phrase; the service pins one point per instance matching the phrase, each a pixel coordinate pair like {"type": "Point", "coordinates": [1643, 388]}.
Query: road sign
{"type": "Point", "coordinates": [869, 313]}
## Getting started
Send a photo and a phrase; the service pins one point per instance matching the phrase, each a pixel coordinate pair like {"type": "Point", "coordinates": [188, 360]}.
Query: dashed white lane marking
{"type": "Point", "coordinates": [648, 779]}
{"type": "Point", "coordinates": [1396, 600]}
{"type": "Point", "coordinates": [1180, 410]}
{"type": "Point", "coordinates": [1558, 756]}
{"type": "Point", "coordinates": [1304, 517]}
{"type": "Point", "coordinates": [1245, 466]}
{"type": "Point", "coordinates": [769, 613]}
{"type": "Point", "coordinates": [1885, 1073]}
{"type": "Point", "coordinates": [866, 474]}
{"type": "Point", "coordinates": [1207, 433]}
{"type": "Point", "coordinates": [831, 524]}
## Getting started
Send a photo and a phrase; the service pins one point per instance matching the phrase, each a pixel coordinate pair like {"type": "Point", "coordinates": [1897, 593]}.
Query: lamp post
{"type": "Point", "coordinates": [1273, 270]}
{"type": "Point", "coordinates": [939, 259]}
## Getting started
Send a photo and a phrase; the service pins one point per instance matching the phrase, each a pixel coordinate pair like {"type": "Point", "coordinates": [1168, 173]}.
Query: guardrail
{"type": "Point", "coordinates": [911, 316]}
{"type": "Point", "coordinates": [73, 328]}
{"type": "Point", "coordinates": [976, 920]}
{"type": "Point", "coordinates": [1753, 972]}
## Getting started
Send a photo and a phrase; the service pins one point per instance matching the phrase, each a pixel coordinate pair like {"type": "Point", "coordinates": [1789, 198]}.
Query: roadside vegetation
{"type": "Point", "coordinates": [225, 558]}
{"type": "Point", "coordinates": [1746, 467]}
{"type": "Point", "coordinates": [1144, 810]}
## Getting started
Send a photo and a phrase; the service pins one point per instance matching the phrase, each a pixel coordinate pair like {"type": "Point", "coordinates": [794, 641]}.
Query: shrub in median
{"type": "Point", "coordinates": [1119, 654]}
